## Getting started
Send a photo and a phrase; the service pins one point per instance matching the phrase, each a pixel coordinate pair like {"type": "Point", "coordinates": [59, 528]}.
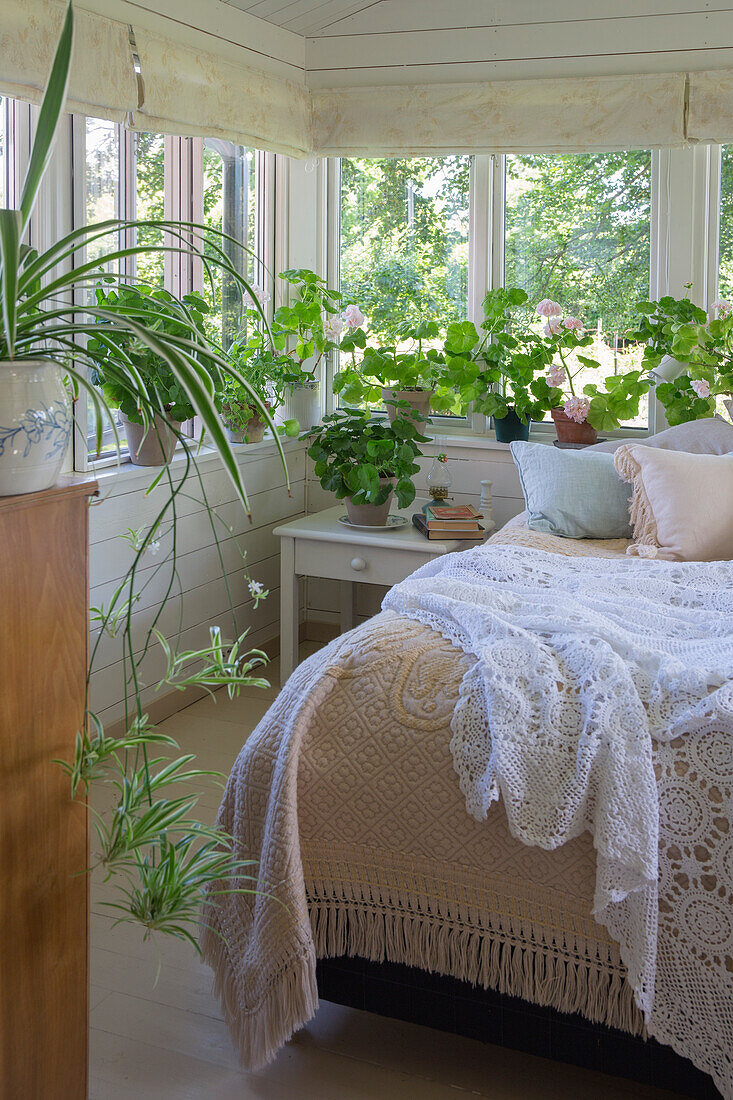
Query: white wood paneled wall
{"type": "Point", "coordinates": [204, 600]}
{"type": "Point", "coordinates": [469, 465]}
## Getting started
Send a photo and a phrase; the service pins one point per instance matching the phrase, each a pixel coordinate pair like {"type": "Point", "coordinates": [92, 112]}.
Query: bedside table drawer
{"type": "Point", "coordinates": [349, 562]}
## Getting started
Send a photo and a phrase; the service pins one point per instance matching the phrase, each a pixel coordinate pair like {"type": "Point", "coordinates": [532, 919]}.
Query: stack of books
{"type": "Point", "coordinates": [437, 521]}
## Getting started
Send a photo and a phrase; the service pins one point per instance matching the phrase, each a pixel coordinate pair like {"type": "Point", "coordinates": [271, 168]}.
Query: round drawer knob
{"type": "Point", "coordinates": [358, 564]}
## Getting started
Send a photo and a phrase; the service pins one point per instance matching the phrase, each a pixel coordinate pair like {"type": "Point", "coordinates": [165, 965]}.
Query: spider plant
{"type": "Point", "coordinates": [151, 841]}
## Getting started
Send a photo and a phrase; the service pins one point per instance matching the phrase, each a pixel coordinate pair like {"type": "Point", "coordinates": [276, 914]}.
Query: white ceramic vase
{"type": "Point", "coordinates": [35, 425]}
{"type": "Point", "coordinates": [304, 405]}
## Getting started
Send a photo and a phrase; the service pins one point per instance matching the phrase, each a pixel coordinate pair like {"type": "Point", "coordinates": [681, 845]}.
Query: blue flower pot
{"type": "Point", "coordinates": [510, 427]}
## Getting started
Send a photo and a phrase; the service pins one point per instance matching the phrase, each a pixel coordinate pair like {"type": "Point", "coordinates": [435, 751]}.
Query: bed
{"type": "Point", "coordinates": [367, 857]}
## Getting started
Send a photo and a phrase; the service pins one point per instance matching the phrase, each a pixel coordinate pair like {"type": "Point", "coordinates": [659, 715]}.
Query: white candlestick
{"type": "Point", "coordinates": [487, 506]}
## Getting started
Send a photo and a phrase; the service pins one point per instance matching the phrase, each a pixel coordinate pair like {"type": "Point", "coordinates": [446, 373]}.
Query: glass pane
{"type": "Point", "coordinates": [577, 230]}
{"type": "Point", "coordinates": [230, 198]}
{"type": "Point", "coordinates": [725, 270]}
{"type": "Point", "coordinates": [3, 151]}
{"type": "Point", "coordinates": [150, 203]}
{"type": "Point", "coordinates": [404, 239]}
{"type": "Point", "coordinates": [102, 180]}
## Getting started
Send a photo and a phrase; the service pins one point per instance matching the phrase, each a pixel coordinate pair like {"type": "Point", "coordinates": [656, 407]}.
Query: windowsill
{"type": "Point", "coordinates": [487, 442]}
{"type": "Point", "coordinates": [133, 477]}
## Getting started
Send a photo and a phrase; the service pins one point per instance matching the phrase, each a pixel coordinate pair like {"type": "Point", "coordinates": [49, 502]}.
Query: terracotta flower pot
{"type": "Point", "coordinates": [570, 431]}
{"type": "Point", "coordinates": [254, 432]}
{"type": "Point", "coordinates": [416, 399]}
{"type": "Point", "coordinates": [369, 515]}
{"type": "Point", "coordinates": [151, 447]}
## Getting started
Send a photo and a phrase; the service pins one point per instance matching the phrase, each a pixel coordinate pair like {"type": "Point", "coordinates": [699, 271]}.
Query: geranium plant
{"type": "Point", "coordinates": [364, 458]}
{"type": "Point", "coordinates": [311, 324]}
{"type": "Point", "coordinates": [497, 370]}
{"type": "Point", "coordinates": [702, 345]}
{"type": "Point", "coordinates": [414, 362]}
{"type": "Point", "coordinates": [266, 372]}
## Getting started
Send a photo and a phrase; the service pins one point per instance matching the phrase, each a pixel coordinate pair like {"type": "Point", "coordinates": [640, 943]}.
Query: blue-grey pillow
{"type": "Point", "coordinates": [574, 494]}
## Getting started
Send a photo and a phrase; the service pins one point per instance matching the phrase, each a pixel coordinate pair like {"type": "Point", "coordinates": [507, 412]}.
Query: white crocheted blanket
{"type": "Point", "coordinates": [580, 665]}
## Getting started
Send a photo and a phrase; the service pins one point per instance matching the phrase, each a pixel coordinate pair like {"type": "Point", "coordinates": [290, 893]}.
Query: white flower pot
{"type": "Point", "coordinates": [304, 405]}
{"type": "Point", "coordinates": [35, 425]}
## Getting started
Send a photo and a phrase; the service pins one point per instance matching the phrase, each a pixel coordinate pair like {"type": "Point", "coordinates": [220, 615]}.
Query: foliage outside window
{"type": "Point", "coordinates": [577, 231]}
{"type": "Point", "coordinates": [404, 240]}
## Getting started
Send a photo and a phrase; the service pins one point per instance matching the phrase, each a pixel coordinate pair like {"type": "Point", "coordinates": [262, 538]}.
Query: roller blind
{"type": "Point", "coordinates": [580, 114]}
{"type": "Point", "coordinates": [710, 111]}
{"type": "Point", "coordinates": [103, 81]}
{"type": "Point", "coordinates": [192, 92]}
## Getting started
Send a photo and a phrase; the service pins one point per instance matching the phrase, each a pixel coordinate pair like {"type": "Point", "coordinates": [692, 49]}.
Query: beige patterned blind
{"type": "Point", "coordinates": [192, 92]}
{"type": "Point", "coordinates": [582, 114]}
{"type": "Point", "coordinates": [103, 81]}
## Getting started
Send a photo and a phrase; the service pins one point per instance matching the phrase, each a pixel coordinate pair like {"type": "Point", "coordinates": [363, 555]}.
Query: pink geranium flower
{"type": "Point", "coordinates": [556, 376]}
{"type": "Point", "coordinates": [353, 316]}
{"type": "Point", "coordinates": [335, 328]}
{"type": "Point", "coordinates": [548, 308]}
{"type": "Point", "coordinates": [722, 305]}
{"type": "Point", "coordinates": [552, 326]}
{"type": "Point", "coordinates": [573, 323]}
{"type": "Point", "coordinates": [577, 408]}
{"type": "Point", "coordinates": [260, 294]}
{"type": "Point", "coordinates": [701, 388]}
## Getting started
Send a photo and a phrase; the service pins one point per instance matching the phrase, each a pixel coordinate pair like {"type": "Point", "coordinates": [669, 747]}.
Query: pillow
{"type": "Point", "coordinates": [681, 505]}
{"type": "Point", "coordinates": [711, 436]}
{"type": "Point", "coordinates": [573, 494]}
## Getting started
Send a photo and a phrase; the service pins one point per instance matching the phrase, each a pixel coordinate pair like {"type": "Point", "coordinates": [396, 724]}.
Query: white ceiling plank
{"type": "Point", "coordinates": [588, 37]}
{"type": "Point", "coordinates": [396, 16]}
{"type": "Point", "coordinates": [611, 65]}
{"type": "Point", "coordinates": [235, 34]}
{"type": "Point", "coordinates": [315, 17]}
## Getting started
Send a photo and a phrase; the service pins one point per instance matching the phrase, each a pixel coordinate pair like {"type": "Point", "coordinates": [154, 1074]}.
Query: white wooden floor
{"type": "Point", "coordinates": [158, 1034]}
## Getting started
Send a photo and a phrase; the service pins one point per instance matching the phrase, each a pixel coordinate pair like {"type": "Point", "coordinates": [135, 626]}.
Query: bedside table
{"type": "Point", "coordinates": [320, 546]}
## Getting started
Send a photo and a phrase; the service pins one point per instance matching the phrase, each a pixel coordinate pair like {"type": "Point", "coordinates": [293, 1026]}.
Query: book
{"type": "Point", "coordinates": [450, 525]}
{"type": "Point", "coordinates": [454, 512]}
{"type": "Point", "coordinates": [418, 520]}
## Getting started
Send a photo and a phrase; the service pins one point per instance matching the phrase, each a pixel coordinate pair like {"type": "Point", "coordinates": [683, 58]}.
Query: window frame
{"type": "Point", "coordinates": [486, 237]}
{"type": "Point", "coordinates": [182, 198]}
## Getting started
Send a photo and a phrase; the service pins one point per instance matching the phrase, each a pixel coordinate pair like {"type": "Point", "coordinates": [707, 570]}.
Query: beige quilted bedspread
{"type": "Point", "coordinates": [347, 797]}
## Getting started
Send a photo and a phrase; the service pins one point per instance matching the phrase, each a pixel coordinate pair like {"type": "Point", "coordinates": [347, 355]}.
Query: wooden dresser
{"type": "Point", "coordinates": [43, 835]}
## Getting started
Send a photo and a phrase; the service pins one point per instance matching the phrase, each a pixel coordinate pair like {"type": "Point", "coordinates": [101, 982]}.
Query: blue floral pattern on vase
{"type": "Point", "coordinates": [49, 424]}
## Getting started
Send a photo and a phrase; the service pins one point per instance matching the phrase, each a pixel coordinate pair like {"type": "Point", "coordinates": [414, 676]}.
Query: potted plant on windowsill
{"type": "Point", "coordinates": [495, 371]}
{"type": "Point", "coordinates": [366, 460]}
{"type": "Point", "coordinates": [406, 371]}
{"type": "Point", "coordinates": [114, 348]}
{"type": "Point", "coordinates": [689, 354]}
{"type": "Point", "coordinates": [579, 414]}
{"type": "Point", "coordinates": [305, 330]}
{"type": "Point", "coordinates": [265, 372]}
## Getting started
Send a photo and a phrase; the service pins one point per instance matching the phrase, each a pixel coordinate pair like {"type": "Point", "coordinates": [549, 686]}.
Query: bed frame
{"type": "Point", "coordinates": [406, 993]}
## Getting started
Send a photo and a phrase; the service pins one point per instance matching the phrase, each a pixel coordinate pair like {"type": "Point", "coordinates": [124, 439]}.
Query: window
{"type": "Point", "coordinates": [149, 176]}
{"type": "Point", "coordinates": [230, 199]}
{"type": "Point", "coordinates": [725, 262]}
{"type": "Point", "coordinates": [3, 152]}
{"type": "Point", "coordinates": [404, 239]}
{"type": "Point", "coordinates": [577, 230]}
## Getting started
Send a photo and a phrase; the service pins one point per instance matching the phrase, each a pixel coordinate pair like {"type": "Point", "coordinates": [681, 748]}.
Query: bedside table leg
{"type": "Point", "coordinates": [289, 609]}
{"type": "Point", "coordinates": [348, 605]}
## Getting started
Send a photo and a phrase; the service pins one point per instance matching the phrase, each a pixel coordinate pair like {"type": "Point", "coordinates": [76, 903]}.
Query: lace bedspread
{"type": "Point", "coordinates": [601, 699]}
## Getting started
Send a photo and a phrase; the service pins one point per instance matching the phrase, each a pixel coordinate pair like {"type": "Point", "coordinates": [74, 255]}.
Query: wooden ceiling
{"type": "Point", "coordinates": [310, 18]}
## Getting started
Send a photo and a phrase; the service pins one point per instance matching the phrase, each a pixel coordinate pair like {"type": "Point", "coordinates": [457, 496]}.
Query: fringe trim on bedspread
{"type": "Point", "coordinates": [291, 1001]}
{"type": "Point", "coordinates": [566, 977]}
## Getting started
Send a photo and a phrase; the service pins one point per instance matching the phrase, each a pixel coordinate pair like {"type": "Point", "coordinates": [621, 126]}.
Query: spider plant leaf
{"type": "Point", "coordinates": [48, 120]}
{"type": "Point", "coordinates": [10, 234]}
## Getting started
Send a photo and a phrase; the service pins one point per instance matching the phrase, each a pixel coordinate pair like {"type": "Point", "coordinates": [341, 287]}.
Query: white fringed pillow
{"type": "Point", "coordinates": [681, 503]}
